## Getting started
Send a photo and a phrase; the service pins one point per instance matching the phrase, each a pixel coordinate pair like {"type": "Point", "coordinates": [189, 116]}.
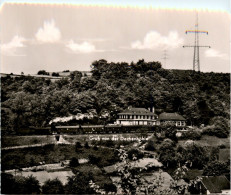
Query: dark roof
{"type": "Point", "coordinates": [216, 183]}
{"type": "Point", "coordinates": [137, 111]}
{"type": "Point", "coordinates": [171, 116]}
{"type": "Point", "coordinates": [224, 154]}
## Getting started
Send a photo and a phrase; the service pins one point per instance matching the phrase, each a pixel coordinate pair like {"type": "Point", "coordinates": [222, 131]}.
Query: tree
{"type": "Point", "coordinates": [134, 154]}
{"type": "Point", "coordinates": [54, 186]}
{"type": "Point", "coordinates": [43, 72]}
{"type": "Point", "coordinates": [197, 156]}
{"type": "Point", "coordinates": [8, 184]}
{"type": "Point", "coordinates": [170, 131]}
{"type": "Point", "coordinates": [93, 159]}
{"type": "Point", "coordinates": [30, 185]}
{"type": "Point", "coordinates": [79, 184]}
{"type": "Point", "coordinates": [55, 74]}
{"type": "Point", "coordinates": [86, 145]}
{"type": "Point", "coordinates": [167, 153]}
{"type": "Point", "coordinates": [150, 145]}
{"type": "Point", "coordinates": [77, 146]}
{"type": "Point", "coordinates": [216, 168]}
{"type": "Point", "coordinates": [74, 162]}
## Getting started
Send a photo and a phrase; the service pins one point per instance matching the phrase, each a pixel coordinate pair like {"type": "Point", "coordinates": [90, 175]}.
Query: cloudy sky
{"type": "Point", "coordinates": [57, 36]}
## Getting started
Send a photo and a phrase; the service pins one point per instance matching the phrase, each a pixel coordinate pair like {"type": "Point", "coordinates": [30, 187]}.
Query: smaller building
{"type": "Point", "coordinates": [215, 185]}
{"type": "Point", "coordinates": [136, 116]}
{"type": "Point", "coordinates": [172, 118]}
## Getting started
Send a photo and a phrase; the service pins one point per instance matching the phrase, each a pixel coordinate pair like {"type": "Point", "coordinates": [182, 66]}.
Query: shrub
{"type": "Point", "coordinates": [77, 146]}
{"type": "Point", "coordinates": [53, 187]}
{"type": "Point", "coordinates": [109, 143]}
{"type": "Point", "coordinates": [86, 145]}
{"type": "Point", "coordinates": [109, 187]}
{"type": "Point", "coordinates": [28, 185]}
{"type": "Point", "coordinates": [95, 147]}
{"type": "Point", "coordinates": [191, 134]}
{"type": "Point", "coordinates": [135, 153]}
{"type": "Point", "coordinates": [78, 184]}
{"type": "Point", "coordinates": [74, 162]}
{"type": "Point", "coordinates": [43, 72]}
{"type": "Point", "coordinates": [150, 146]}
{"type": "Point", "coordinates": [216, 130]}
{"type": "Point", "coordinates": [216, 168]}
{"type": "Point", "coordinates": [55, 74]}
{"type": "Point", "coordinates": [222, 146]}
{"type": "Point", "coordinates": [94, 159]}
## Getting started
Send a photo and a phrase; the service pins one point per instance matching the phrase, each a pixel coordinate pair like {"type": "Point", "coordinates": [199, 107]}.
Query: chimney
{"type": "Point", "coordinates": [153, 110]}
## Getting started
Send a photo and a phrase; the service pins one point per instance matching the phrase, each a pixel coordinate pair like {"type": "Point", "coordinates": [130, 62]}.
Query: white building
{"type": "Point", "coordinates": [136, 116]}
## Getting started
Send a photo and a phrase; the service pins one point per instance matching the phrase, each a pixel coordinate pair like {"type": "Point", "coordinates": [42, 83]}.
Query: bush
{"type": "Point", "coordinates": [95, 147]}
{"type": "Point", "coordinates": [222, 146]}
{"type": "Point", "coordinates": [94, 159]}
{"type": "Point", "coordinates": [135, 153]}
{"type": "Point", "coordinates": [43, 72]}
{"type": "Point", "coordinates": [53, 187]}
{"type": "Point", "coordinates": [86, 145]}
{"type": "Point", "coordinates": [215, 130]}
{"type": "Point", "coordinates": [8, 184]}
{"type": "Point", "coordinates": [29, 185]}
{"type": "Point", "coordinates": [74, 162]}
{"type": "Point", "coordinates": [55, 74]}
{"type": "Point", "coordinates": [78, 184]}
{"type": "Point", "coordinates": [78, 146]}
{"type": "Point", "coordinates": [216, 168]}
{"type": "Point", "coordinates": [109, 187]}
{"type": "Point", "coordinates": [191, 134]}
{"type": "Point", "coordinates": [150, 146]}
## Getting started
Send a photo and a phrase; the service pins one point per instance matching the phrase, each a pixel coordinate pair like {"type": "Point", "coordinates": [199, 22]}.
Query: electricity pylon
{"type": "Point", "coordinates": [165, 57]}
{"type": "Point", "coordinates": [196, 46]}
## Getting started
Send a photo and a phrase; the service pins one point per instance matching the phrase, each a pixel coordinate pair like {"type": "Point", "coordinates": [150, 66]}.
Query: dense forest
{"type": "Point", "coordinates": [199, 97]}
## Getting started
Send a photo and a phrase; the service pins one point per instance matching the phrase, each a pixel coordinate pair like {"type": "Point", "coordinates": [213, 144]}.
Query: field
{"type": "Point", "coordinates": [212, 141]}
{"type": "Point", "coordinates": [27, 157]}
{"type": "Point", "coordinates": [10, 141]}
{"type": "Point", "coordinates": [42, 176]}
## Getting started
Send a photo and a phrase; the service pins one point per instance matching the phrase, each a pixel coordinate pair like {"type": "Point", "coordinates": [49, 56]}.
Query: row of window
{"type": "Point", "coordinates": [178, 123]}
{"type": "Point", "coordinates": [136, 117]}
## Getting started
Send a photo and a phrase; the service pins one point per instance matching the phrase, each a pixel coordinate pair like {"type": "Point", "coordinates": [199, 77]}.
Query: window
{"type": "Point", "coordinates": [178, 123]}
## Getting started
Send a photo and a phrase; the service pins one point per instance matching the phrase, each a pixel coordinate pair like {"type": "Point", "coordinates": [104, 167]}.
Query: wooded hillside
{"type": "Point", "coordinates": [30, 101]}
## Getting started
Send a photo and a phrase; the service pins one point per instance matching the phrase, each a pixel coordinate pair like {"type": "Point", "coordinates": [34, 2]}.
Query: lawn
{"type": "Point", "coordinates": [10, 141]}
{"type": "Point", "coordinates": [26, 157]}
{"type": "Point", "coordinates": [103, 137]}
{"type": "Point", "coordinates": [212, 141]}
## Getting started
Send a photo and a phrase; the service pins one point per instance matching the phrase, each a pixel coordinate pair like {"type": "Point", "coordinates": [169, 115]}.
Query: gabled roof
{"type": "Point", "coordinates": [171, 116]}
{"type": "Point", "coordinates": [137, 111]}
{"type": "Point", "coordinates": [214, 184]}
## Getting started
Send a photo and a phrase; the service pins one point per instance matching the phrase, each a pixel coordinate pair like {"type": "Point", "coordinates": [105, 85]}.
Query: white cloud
{"type": "Point", "coordinates": [84, 47]}
{"type": "Point", "coordinates": [49, 33]}
{"type": "Point", "coordinates": [153, 40]}
{"type": "Point", "coordinates": [10, 49]}
{"type": "Point", "coordinates": [212, 53]}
